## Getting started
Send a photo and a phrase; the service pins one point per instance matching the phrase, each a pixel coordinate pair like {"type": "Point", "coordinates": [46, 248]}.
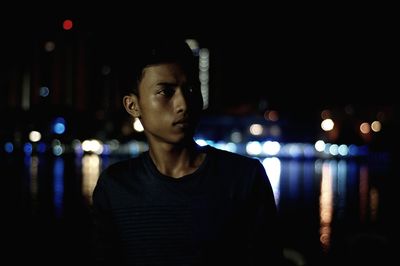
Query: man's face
{"type": "Point", "coordinates": [169, 103]}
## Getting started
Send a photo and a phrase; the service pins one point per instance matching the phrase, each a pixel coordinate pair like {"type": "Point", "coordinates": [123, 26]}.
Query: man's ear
{"type": "Point", "coordinates": [131, 105]}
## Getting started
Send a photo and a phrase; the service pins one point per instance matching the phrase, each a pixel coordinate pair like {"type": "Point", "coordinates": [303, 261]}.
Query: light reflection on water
{"type": "Point", "coordinates": [58, 183]}
{"type": "Point", "coordinates": [326, 203]}
{"type": "Point", "coordinates": [311, 195]}
{"type": "Point", "coordinates": [91, 167]}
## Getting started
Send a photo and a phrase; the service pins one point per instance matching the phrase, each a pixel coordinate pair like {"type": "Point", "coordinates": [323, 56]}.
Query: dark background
{"type": "Point", "coordinates": [297, 59]}
{"type": "Point", "coordinates": [342, 54]}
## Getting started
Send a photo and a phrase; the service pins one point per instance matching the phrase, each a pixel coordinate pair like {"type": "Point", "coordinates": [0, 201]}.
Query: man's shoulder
{"type": "Point", "coordinates": [232, 158]}
{"type": "Point", "coordinates": [236, 169]}
{"type": "Point", "coordinates": [121, 168]}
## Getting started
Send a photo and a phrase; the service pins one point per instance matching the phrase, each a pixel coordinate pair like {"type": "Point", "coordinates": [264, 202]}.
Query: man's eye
{"type": "Point", "coordinates": [167, 91]}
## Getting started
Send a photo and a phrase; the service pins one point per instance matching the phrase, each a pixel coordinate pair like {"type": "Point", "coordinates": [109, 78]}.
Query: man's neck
{"type": "Point", "coordinates": [176, 161]}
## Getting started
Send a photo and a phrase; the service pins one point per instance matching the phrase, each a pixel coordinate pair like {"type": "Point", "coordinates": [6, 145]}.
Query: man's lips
{"type": "Point", "coordinates": [181, 122]}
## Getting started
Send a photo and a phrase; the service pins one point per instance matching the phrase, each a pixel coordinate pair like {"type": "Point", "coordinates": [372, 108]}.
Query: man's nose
{"type": "Point", "coordinates": [180, 101]}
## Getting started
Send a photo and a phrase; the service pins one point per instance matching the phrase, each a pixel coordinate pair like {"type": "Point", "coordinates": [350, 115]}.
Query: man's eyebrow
{"type": "Point", "coordinates": [165, 83]}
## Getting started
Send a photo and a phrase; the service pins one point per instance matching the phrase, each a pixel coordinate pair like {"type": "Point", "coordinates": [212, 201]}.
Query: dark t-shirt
{"type": "Point", "coordinates": [222, 214]}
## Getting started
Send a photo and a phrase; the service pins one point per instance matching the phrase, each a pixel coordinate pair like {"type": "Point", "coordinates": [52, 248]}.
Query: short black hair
{"type": "Point", "coordinates": [153, 51]}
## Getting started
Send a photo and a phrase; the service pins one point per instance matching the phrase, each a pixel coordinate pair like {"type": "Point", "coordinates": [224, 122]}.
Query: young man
{"type": "Point", "coordinates": [179, 203]}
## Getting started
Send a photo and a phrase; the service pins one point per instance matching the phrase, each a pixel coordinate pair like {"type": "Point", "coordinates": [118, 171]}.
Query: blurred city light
{"type": "Point", "coordinates": [59, 125]}
{"type": "Point", "coordinates": [35, 136]}
{"type": "Point", "coordinates": [67, 24]}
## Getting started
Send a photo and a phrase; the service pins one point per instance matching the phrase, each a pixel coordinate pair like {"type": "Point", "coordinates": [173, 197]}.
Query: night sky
{"type": "Point", "coordinates": [298, 62]}
{"type": "Point", "coordinates": [279, 56]}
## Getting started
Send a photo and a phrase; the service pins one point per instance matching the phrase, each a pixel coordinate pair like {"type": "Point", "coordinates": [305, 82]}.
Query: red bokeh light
{"type": "Point", "coordinates": [67, 24]}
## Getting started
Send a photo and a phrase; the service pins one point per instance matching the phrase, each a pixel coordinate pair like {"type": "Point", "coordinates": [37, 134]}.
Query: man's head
{"type": "Point", "coordinates": [154, 51]}
{"type": "Point", "coordinates": [166, 96]}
